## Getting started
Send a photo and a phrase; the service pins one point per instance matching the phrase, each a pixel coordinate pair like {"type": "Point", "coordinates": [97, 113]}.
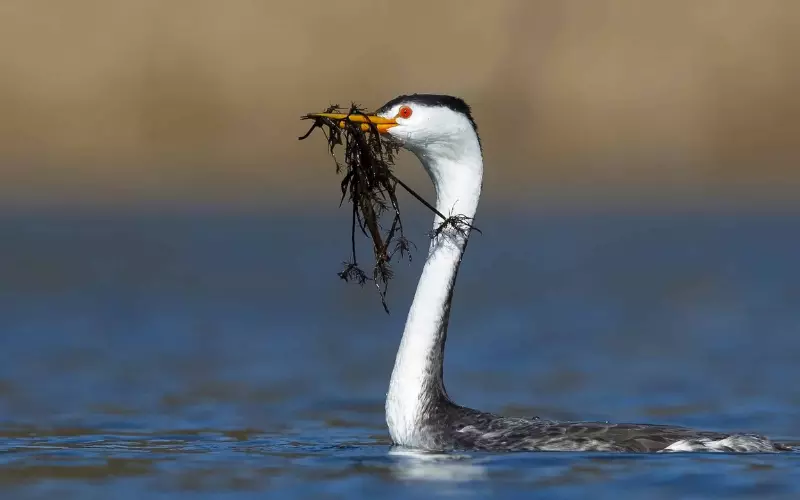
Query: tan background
{"type": "Point", "coordinates": [152, 101]}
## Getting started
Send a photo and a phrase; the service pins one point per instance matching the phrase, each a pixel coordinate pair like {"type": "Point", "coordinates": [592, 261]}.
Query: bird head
{"type": "Point", "coordinates": [438, 129]}
{"type": "Point", "coordinates": [419, 122]}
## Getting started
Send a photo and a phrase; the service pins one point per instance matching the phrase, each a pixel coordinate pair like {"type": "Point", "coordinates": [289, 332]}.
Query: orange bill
{"type": "Point", "coordinates": [382, 124]}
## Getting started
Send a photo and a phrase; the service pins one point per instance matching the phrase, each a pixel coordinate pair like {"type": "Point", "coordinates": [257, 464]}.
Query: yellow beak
{"type": "Point", "coordinates": [367, 121]}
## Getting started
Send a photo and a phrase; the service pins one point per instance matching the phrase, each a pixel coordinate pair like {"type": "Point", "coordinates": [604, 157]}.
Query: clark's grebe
{"type": "Point", "coordinates": [441, 132]}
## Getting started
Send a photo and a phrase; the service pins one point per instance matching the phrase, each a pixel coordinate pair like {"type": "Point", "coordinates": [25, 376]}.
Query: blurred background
{"type": "Point", "coordinates": [170, 316]}
{"type": "Point", "coordinates": [122, 102]}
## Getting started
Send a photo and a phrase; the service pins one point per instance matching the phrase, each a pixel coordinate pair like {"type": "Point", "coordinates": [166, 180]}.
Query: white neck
{"type": "Point", "coordinates": [417, 376]}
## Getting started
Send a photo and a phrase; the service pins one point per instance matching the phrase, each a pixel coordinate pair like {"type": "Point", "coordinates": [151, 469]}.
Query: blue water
{"type": "Point", "coordinates": [204, 355]}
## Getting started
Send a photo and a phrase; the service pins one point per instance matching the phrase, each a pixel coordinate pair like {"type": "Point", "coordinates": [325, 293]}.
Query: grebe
{"type": "Point", "coordinates": [440, 131]}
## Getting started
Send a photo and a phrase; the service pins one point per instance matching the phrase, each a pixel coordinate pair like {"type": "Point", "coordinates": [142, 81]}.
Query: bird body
{"type": "Point", "coordinates": [442, 133]}
{"type": "Point", "coordinates": [446, 426]}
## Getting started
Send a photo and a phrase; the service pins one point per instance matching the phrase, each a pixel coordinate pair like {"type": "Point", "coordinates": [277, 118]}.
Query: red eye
{"type": "Point", "coordinates": [405, 112]}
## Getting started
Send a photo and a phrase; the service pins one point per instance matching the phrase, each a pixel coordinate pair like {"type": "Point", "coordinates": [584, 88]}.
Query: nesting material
{"type": "Point", "coordinates": [370, 186]}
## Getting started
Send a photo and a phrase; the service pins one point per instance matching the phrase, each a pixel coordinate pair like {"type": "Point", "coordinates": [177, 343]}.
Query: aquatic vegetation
{"type": "Point", "coordinates": [370, 186]}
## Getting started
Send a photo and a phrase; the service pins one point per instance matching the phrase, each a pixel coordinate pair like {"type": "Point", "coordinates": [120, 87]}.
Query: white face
{"type": "Point", "coordinates": [430, 129]}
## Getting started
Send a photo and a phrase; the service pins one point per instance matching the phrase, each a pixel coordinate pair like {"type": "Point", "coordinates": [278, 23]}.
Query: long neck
{"type": "Point", "coordinates": [416, 381]}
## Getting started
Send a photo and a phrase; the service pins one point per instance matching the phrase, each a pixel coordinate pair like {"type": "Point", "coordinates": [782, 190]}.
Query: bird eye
{"type": "Point", "coordinates": [405, 112]}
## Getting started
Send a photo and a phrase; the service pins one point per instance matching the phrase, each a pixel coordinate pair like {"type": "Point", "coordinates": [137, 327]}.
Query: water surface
{"type": "Point", "coordinates": [218, 356]}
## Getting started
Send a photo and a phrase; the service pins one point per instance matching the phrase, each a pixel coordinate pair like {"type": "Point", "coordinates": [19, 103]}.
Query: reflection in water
{"type": "Point", "coordinates": [417, 465]}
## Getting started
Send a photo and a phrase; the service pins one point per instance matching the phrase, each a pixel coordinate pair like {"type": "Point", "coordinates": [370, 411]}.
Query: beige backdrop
{"type": "Point", "coordinates": [145, 101]}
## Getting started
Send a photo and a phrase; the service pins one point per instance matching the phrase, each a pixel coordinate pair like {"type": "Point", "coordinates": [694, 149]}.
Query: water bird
{"type": "Point", "coordinates": [441, 132]}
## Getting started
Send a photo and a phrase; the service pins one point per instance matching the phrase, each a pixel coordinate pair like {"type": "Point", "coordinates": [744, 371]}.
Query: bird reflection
{"type": "Point", "coordinates": [414, 465]}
